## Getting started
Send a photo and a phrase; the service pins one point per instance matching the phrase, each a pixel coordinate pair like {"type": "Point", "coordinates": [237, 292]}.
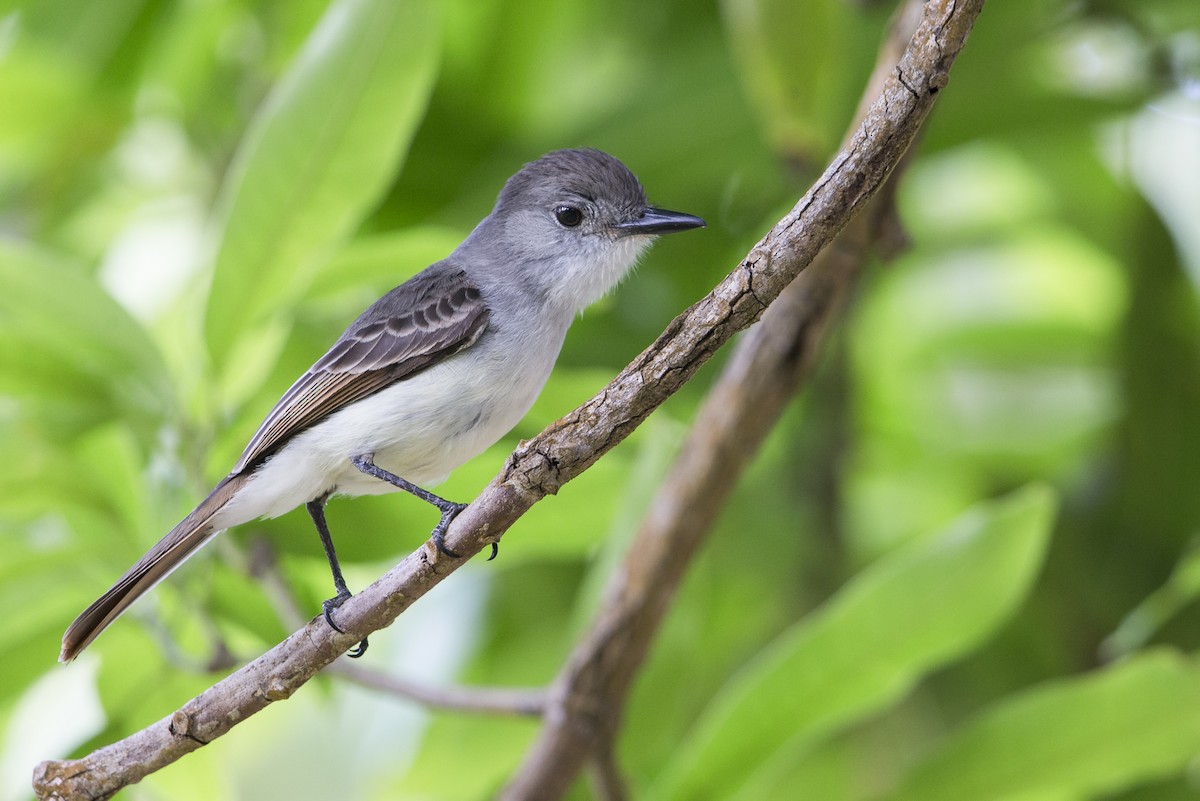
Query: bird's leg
{"type": "Point", "coordinates": [316, 510]}
{"type": "Point", "coordinates": [449, 509]}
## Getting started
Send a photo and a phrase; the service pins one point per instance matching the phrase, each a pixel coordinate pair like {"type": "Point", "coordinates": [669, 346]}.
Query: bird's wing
{"type": "Point", "coordinates": [433, 315]}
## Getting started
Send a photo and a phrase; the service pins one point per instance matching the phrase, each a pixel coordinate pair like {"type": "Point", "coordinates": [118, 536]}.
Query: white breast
{"type": "Point", "coordinates": [420, 428]}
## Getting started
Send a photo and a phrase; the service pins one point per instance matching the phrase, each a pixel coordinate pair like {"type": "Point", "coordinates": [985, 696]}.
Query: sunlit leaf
{"type": "Point", "coordinates": [910, 612]}
{"type": "Point", "coordinates": [67, 343]}
{"type": "Point", "coordinates": [1073, 738]}
{"type": "Point", "coordinates": [324, 146]}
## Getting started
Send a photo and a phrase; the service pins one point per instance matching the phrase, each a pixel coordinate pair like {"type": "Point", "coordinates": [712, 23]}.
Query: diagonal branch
{"type": "Point", "coordinates": [568, 447]}
{"type": "Point", "coordinates": [768, 366]}
{"type": "Point", "coordinates": [501, 701]}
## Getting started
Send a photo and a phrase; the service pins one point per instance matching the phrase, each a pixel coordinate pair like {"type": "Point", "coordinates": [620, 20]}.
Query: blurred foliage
{"type": "Point", "coordinates": [197, 195]}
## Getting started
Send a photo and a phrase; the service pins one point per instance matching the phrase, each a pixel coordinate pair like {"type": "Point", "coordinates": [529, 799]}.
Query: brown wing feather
{"type": "Point", "coordinates": [435, 314]}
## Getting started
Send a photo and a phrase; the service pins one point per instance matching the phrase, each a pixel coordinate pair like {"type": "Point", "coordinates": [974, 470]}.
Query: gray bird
{"type": "Point", "coordinates": [433, 373]}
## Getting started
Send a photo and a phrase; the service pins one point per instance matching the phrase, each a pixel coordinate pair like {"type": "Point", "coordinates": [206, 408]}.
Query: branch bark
{"type": "Point", "coordinates": [768, 367]}
{"type": "Point", "coordinates": [507, 701]}
{"type": "Point", "coordinates": [502, 701]}
{"type": "Point", "coordinates": [568, 447]}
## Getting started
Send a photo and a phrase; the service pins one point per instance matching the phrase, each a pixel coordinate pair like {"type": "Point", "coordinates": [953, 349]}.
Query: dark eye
{"type": "Point", "coordinates": [568, 216]}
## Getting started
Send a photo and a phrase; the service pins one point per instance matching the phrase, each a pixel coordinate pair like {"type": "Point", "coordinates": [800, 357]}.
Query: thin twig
{"type": "Point", "coordinates": [504, 701]}
{"type": "Point", "coordinates": [571, 445]}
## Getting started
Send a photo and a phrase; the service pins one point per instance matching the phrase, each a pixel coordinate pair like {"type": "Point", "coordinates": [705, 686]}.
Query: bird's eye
{"type": "Point", "coordinates": [568, 216]}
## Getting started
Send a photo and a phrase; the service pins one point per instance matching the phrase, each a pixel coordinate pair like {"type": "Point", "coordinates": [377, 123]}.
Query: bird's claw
{"type": "Point", "coordinates": [327, 612]}
{"type": "Point", "coordinates": [449, 512]}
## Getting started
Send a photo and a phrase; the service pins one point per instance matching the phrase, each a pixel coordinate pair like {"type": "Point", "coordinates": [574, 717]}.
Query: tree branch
{"type": "Point", "coordinates": [512, 702]}
{"type": "Point", "coordinates": [516, 702]}
{"type": "Point", "coordinates": [540, 466]}
{"type": "Point", "coordinates": [769, 365]}
{"type": "Point", "coordinates": [607, 783]}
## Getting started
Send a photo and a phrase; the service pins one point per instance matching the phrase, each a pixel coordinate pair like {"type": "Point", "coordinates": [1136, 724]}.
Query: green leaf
{"type": "Point", "coordinates": [67, 343]}
{"type": "Point", "coordinates": [1151, 616]}
{"type": "Point", "coordinates": [912, 611]}
{"type": "Point", "coordinates": [1073, 738]}
{"type": "Point", "coordinates": [778, 48]}
{"type": "Point", "coordinates": [29, 577]}
{"type": "Point", "coordinates": [371, 265]}
{"type": "Point", "coordinates": [320, 153]}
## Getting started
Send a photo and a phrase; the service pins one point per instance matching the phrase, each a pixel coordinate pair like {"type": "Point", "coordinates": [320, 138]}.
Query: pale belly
{"type": "Point", "coordinates": [419, 429]}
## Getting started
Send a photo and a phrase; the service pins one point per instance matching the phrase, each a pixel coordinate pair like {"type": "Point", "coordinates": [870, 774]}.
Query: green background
{"type": "Point", "coordinates": [963, 566]}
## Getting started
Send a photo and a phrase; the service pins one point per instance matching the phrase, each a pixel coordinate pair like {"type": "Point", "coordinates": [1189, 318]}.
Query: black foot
{"type": "Point", "coordinates": [327, 612]}
{"type": "Point", "coordinates": [449, 512]}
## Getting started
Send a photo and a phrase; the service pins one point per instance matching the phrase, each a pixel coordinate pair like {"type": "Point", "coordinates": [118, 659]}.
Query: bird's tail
{"type": "Point", "coordinates": [170, 552]}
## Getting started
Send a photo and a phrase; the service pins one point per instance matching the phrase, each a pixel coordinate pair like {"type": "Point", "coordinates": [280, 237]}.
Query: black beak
{"type": "Point", "coordinates": [659, 221]}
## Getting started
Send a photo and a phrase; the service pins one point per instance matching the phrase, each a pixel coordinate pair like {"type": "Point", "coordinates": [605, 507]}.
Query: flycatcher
{"type": "Point", "coordinates": [432, 374]}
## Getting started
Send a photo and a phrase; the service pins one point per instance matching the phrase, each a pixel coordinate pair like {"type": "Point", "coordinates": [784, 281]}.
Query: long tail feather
{"type": "Point", "coordinates": [168, 554]}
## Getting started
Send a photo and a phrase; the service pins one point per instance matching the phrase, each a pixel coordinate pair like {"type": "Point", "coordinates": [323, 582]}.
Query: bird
{"type": "Point", "coordinates": [431, 374]}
